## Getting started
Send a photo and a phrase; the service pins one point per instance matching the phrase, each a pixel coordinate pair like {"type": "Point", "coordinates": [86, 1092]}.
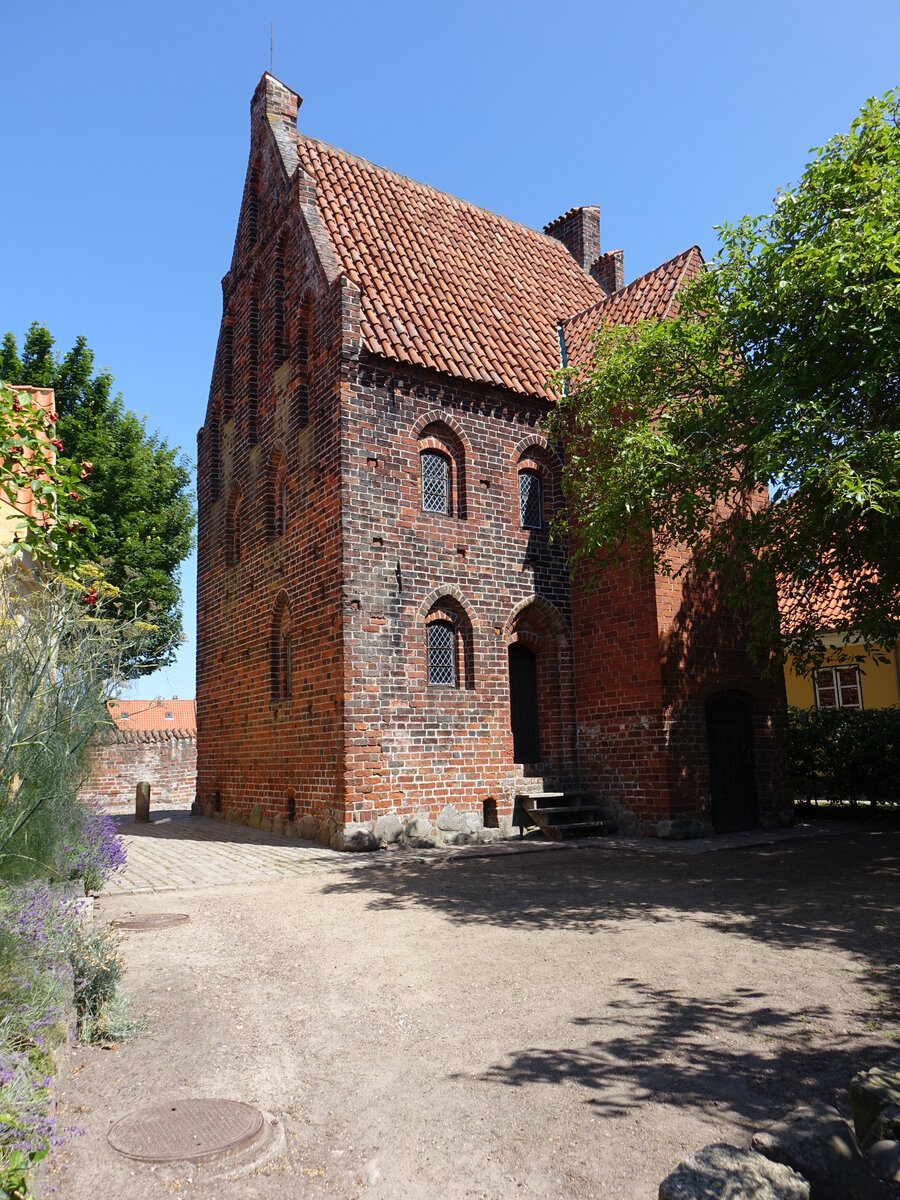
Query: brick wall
{"type": "Point", "coordinates": [274, 403]}
{"type": "Point", "coordinates": [412, 746]}
{"type": "Point", "coordinates": [166, 758]}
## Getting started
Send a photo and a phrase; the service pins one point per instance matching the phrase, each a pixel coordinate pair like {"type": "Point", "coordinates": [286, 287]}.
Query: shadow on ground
{"type": "Point", "coordinates": [737, 1054]}
{"type": "Point", "coordinates": [842, 892]}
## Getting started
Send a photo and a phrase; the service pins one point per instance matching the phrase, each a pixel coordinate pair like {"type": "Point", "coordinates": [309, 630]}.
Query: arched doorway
{"type": "Point", "coordinates": [523, 704]}
{"type": "Point", "coordinates": [732, 775]}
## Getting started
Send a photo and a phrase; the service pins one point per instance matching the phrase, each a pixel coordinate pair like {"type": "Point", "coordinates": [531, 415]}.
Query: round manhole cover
{"type": "Point", "coordinates": [187, 1131]}
{"type": "Point", "coordinates": [151, 921]}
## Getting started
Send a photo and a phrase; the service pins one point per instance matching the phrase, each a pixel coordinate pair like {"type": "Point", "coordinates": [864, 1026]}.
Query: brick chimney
{"type": "Point", "coordinates": [609, 271]}
{"type": "Point", "coordinates": [280, 106]}
{"type": "Point", "coordinates": [579, 232]}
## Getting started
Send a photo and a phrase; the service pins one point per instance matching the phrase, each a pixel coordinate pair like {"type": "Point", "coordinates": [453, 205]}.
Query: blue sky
{"type": "Point", "coordinates": [125, 143]}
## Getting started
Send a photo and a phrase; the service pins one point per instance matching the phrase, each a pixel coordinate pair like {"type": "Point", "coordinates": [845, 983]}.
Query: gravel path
{"type": "Point", "coordinates": [545, 1024]}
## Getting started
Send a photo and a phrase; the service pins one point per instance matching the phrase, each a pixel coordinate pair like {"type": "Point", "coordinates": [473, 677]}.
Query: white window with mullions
{"type": "Point", "coordinates": [531, 500]}
{"type": "Point", "coordinates": [838, 687]}
{"type": "Point", "coordinates": [442, 664]}
{"type": "Point", "coordinates": [435, 481]}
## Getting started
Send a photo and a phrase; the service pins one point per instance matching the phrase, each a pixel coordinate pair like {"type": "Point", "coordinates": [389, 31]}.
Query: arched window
{"type": "Point", "coordinates": [233, 528]}
{"type": "Point", "coordinates": [537, 478]}
{"type": "Point", "coordinates": [531, 500]}
{"type": "Point", "coordinates": [442, 471]}
{"type": "Point", "coordinates": [436, 483]}
{"type": "Point", "coordinates": [442, 656]}
{"type": "Point", "coordinates": [282, 651]}
{"type": "Point", "coordinates": [448, 645]}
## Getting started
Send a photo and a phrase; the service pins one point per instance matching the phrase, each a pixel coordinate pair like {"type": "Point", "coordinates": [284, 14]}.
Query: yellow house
{"type": "Point", "coordinates": [850, 677]}
{"type": "Point", "coordinates": [42, 398]}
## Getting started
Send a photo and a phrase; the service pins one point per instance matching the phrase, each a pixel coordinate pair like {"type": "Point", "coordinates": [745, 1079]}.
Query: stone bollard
{"type": "Point", "coordinates": [142, 803]}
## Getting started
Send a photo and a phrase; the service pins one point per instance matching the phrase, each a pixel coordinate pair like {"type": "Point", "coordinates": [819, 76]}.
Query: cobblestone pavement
{"type": "Point", "coordinates": [180, 851]}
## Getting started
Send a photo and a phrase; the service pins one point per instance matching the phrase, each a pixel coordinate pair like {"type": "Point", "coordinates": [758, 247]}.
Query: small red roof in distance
{"type": "Point", "coordinates": [444, 284]}
{"type": "Point", "coordinates": [154, 714]}
{"type": "Point", "coordinates": [649, 297]}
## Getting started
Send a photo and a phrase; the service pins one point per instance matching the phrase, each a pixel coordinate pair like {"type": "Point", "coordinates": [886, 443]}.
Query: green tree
{"type": "Point", "coordinates": [136, 501]}
{"type": "Point", "coordinates": [779, 373]}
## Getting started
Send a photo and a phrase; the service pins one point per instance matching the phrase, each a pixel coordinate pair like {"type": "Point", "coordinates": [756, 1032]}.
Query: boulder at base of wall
{"type": "Point", "coordinates": [360, 838]}
{"type": "Point", "coordinates": [388, 829]}
{"type": "Point", "coordinates": [816, 1141]}
{"type": "Point", "coordinates": [721, 1172]}
{"type": "Point", "coordinates": [871, 1092]}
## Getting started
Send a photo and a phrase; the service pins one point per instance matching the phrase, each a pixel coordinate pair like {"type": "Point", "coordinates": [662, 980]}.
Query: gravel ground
{"type": "Point", "coordinates": [555, 1025]}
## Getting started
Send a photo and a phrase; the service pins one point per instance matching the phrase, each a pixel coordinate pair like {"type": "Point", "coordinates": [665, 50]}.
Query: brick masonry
{"type": "Point", "coordinates": [119, 760]}
{"type": "Point", "coordinates": [343, 585]}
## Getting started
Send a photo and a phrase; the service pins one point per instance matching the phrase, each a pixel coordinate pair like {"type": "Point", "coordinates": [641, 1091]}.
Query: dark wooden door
{"type": "Point", "coordinates": [523, 704]}
{"type": "Point", "coordinates": [732, 777]}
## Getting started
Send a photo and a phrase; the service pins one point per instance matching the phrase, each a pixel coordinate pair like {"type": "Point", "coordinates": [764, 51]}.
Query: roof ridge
{"type": "Point", "coordinates": [675, 290]}
{"type": "Point", "coordinates": [686, 254]}
{"type": "Point", "coordinates": [429, 187]}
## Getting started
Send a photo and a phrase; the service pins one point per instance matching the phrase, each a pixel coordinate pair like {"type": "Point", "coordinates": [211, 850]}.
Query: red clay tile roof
{"type": "Point", "coordinates": [649, 297]}
{"type": "Point", "coordinates": [829, 611]}
{"type": "Point", "coordinates": [444, 284]}
{"type": "Point", "coordinates": [154, 714]}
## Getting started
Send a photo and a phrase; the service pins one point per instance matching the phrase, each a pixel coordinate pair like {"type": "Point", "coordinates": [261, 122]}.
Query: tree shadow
{"type": "Point", "coordinates": [830, 891]}
{"type": "Point", "coordinates": [663, 1046]}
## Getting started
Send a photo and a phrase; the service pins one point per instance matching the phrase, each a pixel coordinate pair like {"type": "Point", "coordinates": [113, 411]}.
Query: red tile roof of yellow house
{"type": "Point", "coordinates": [455, 288]}
{"type": "Point", "coordinates": [830, 610]}
{"type": "Point", "coordinates": [178, 715]}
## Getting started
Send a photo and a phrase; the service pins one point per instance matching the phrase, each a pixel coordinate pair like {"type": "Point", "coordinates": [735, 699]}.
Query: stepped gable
{"type": "Point", "coordinates": [649, 297]}
{"type": "Point", "coordinates": [444, 284]}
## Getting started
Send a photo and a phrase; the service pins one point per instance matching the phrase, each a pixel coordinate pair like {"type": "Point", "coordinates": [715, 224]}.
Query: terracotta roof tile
{"type": "Point", "coordinates": [154, 714]}
{"type": "Point", "coordinates": [445, 284]}
{"type": "Point", "coordinates": [649, 297]}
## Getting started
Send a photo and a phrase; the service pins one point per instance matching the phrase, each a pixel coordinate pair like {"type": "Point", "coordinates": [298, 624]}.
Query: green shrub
{"type": "Point", "coordinates": [845, 755]}
{"type": "Point", "coordinates": [97, 968]}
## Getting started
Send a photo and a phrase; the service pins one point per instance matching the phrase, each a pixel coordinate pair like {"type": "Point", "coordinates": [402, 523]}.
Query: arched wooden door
{"type": "Point", "coordinates": [523, 704]}
{"type": "Point", "coordinates": [732, 775]}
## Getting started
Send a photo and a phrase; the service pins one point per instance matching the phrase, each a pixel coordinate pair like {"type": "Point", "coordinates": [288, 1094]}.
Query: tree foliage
{"type": "Point", "coordinates": [779, 372]}
{"type": "Point", "coordinates": [137, 505]}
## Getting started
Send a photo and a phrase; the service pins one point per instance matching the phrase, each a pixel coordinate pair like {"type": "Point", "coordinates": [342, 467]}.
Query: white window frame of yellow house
{"type": "Point", "coordinates": [837, 687]}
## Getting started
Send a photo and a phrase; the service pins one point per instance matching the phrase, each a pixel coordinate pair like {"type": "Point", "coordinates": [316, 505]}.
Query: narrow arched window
{"type": "Point", "coordinates": [531, 500]}
{"type": "Point", "coordinates": [282, 652]}
{"type": "Point", "coordinates": [233, 531]}
{"type": "Point", "coordinates": [435, 481]}
{"type": "Point", "coordinates": [442, 654]}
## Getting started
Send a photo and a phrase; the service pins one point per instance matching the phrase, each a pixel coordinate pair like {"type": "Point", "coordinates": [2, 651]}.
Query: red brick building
{"type": "Point", "coordinates": [384, 625]}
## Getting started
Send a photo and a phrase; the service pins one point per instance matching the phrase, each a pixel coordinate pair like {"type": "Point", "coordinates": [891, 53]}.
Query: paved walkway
{"type": "Point", "coordinates": [180, 851]}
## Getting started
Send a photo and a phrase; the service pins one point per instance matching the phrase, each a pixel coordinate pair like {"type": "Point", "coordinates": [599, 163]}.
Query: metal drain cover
{"type": "Point", "coordinates": [151, 921]}
{"type": "Point", "coordinates": [187, 1131]}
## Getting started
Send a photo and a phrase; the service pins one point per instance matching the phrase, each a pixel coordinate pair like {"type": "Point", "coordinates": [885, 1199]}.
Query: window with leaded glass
{"type": "Point", "coordinates": [838, 687]}
{"type": "Point", "coordinates": [435, 481]}
{"type": "Point", "coordinates": [442, 654]}
{"type": "Point", "coordinates": [531, 500]}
